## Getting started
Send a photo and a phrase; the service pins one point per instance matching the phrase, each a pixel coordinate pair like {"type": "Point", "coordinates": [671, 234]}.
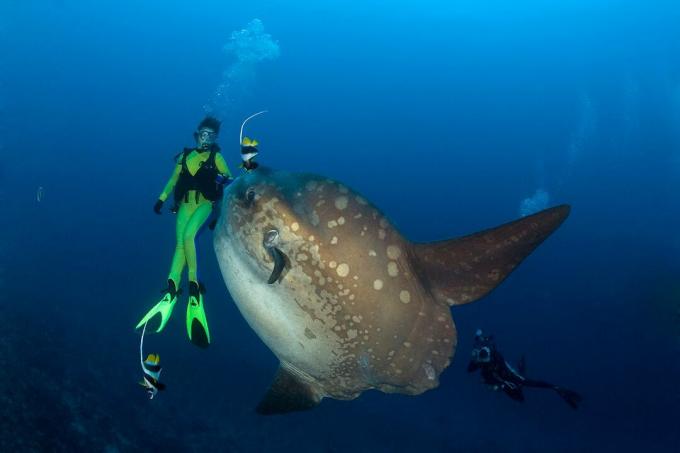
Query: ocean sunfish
{"type": "Point", "coordinates": [342, 299]}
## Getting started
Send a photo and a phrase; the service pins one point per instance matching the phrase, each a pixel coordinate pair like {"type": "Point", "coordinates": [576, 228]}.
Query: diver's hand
{"type": "Point", "coordinates": [157, 207]}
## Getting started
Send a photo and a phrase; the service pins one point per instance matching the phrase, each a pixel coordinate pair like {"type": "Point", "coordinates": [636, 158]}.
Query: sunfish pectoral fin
{"type": "Point", "coordinates": [288, 393]}
{"type": "Point", "coordinates": [279, 264]}
{"type": "Point", "coordinates": [462, 270]}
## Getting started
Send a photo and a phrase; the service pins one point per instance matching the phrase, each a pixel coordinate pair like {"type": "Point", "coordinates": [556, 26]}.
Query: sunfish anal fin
{"type": "Point", "coordinates": [288, 393]}
{"type": "Point", "coordinates": [462, 270]}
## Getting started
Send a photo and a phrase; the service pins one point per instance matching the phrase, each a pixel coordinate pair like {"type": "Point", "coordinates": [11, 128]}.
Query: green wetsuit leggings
{"type": "Point", "coordinates": [190, 218]}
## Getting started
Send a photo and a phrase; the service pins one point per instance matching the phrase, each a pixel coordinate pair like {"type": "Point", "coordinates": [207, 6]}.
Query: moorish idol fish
{"type": "Point", "coordinates": [151, 370]}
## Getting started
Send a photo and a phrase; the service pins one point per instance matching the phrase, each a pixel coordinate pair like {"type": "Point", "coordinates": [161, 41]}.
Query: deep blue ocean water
{"type": "Point", "coordinates": [451, 116]}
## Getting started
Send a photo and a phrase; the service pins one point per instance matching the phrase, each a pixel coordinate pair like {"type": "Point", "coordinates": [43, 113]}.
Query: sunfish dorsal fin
{"type": "Point", "coordinates": [462, 270]}
{"type": "Point", "coordinates": [288, 393]}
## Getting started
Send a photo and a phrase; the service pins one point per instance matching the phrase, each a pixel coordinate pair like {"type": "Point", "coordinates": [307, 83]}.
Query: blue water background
{"type": "Point", "coordinates": [444, 114]}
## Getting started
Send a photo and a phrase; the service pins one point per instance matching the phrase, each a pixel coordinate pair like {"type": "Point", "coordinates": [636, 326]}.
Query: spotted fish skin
{"type": "Point", "coordinates": [352, 310]}
{"type": "Point", "coordinates": [349, 313]}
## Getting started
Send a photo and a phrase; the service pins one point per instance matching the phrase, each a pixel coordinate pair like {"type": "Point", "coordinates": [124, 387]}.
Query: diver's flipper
{"type": "Point", "coordinates": [288, 393]}
{"type": "Point", "coordinates": [162, 308]}
{"type": "Point", "coordinates": [570, 397]}
{"type": "Point", "coordinates": [459, 271]}
{"type": "Point", "coordinates": [197, 323]}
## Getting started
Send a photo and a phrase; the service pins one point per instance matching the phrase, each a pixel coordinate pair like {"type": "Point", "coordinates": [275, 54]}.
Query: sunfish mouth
{"type": "Point", "coordinates": [270, 241]}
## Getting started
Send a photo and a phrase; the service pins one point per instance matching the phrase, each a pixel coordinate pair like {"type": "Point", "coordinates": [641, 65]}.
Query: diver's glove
{"type": "Point", "coordinates": [157, 207]}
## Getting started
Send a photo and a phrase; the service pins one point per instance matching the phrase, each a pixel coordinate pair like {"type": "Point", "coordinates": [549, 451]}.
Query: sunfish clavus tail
{"type": "Point", "coordinates": [343, 300]}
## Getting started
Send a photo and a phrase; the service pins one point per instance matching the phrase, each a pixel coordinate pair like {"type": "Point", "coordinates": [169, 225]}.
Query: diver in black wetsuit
{"type": "Point", "coordinates": [500, 375]}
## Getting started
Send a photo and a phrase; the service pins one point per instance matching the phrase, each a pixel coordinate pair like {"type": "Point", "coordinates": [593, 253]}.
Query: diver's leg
{"type": "Point", "coordinates": [195, 222]}
{"type": "Point", "coordinates": [165, 306]}
{"type": "Point", "coordinates": [186, 210]}
{"type": "Point", "coordinates": [570, 397]}
{"type": "Point", "coordinates": [514, 392]}
{"type": "Point", "coordinates": [197, 323]}
{"type": "Point", "coordinates": [539, 384]}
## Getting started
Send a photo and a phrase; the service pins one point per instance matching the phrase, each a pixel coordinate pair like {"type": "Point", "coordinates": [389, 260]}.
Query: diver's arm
{"type": "Point", "coordinates": [171, 183]}
{"type": "Point", "coordinates": [223, 178]}
{"type": "Point", "coordinates": [168, 189]}
{"type": "Point", "coordinates": [222, 166]}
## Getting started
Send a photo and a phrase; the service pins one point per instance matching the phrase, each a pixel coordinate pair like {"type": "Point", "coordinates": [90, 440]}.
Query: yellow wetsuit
{"type": "Point", "coordinates": [194, 210]}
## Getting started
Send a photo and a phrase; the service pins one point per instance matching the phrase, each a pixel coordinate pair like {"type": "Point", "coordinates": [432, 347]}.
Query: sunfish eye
{"type": "Point", "coordinates": [271, 238]}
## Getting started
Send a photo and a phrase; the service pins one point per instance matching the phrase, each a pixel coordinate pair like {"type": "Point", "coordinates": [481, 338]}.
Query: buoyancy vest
{"type": "Point", "coordinates": [203, 182]}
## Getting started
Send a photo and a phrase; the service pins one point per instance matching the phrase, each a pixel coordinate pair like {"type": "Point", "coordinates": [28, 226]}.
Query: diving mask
{"type": "Point", "coordinates": [206, 137]}
{"type": "Point", "coordinates": [482, 355]}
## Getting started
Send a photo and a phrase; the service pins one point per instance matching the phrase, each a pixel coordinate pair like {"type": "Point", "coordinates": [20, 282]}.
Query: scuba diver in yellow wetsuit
{"type": "Point", "coordinates": [197, 180]}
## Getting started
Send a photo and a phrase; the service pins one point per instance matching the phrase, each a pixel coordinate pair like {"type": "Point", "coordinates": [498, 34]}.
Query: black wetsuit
{"type": "Point", "coordinates": [500, 375]}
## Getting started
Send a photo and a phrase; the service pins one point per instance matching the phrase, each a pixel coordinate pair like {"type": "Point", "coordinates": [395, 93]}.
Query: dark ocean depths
{"type": "Point", "coordinates": [451, 116]}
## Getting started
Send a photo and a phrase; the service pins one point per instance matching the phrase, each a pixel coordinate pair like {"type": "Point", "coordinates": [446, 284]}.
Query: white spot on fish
{"type": "Point", "coordinates": [341, 202]}
{"type": "Point", "coordinates": [332, 224]}
{"type": "Point", "coordinates": [341, 220]}
{"type": "Point", "coordinates": [429, 371]}
{"type": "Point", "coordinates": [334, 240]}
{"type": "Point", "coordinates": [343, 270]}
{"type": "Point", "coordinates": [377, 285]}
{"type": "Point", "coordinates": [332, 264]}
{"type": "Point", "coordinates": [372, 253]}
{"type": "Point", "coordinates": [405, 296]}
{"type": "Point", "coordinates": [393, 252]}
{"type": "Point", "coordinates": [381, 234]}
{"type": "Point", "coordinates": [295, 226]}
{"type": "Point", "coordinates": [392, 269]}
